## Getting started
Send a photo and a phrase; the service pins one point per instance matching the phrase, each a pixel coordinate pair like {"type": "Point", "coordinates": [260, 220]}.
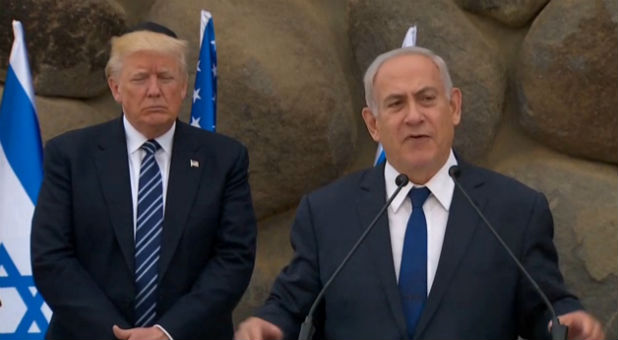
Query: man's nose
{"type": "Point", "coordinates": [153, 88]}
{"type": "Point", "coordinates": [414, 114]}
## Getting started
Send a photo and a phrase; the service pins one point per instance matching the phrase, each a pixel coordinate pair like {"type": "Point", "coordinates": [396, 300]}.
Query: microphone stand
{"type": "Point", "coordinates": [558, 331]}
{"type": "Point", "coordinates": [307, 328]}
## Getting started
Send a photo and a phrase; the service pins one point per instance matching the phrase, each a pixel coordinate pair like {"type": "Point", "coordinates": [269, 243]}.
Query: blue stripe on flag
{"type": "Point", "coordinates": [204, 109]}
{"type": "Point", "coordinates": [33, 302]}
{"type": "Point", "coordinates": [381, 159]}
{"type": "Point", "coordinates": [20, 136]}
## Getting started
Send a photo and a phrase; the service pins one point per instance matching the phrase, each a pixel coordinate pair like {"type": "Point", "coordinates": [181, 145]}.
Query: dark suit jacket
{"type": "Point", "coordinates": [83, 244]}
{"type": "Point", "coordinates": [477, 293]}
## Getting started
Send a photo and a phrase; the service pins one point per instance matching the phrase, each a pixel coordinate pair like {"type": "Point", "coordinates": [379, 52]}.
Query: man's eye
{"type": "Point", "coordinates": [166, 78]}
{"type": "Point", "coordinates": [428, 99]}
{"type": "Point", "coordinates": [394, 103]}
{"type": "Point", "coordinates": [138, 79]}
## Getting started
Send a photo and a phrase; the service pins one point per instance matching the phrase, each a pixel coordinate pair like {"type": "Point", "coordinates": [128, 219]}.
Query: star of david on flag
{"type": "Point", "coordinates": [408, 40]}
{"type": "Point", "coordinates": [24, 314]}
{"type": "Point", "coordinates": [204, 107]}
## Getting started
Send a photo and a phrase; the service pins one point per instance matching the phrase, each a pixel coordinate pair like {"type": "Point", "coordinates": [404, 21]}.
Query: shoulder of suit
{"type": "Point", "coordinates": [494, 179]}
{"type": "Point", "coordinates": [343, 185]}
{"type": "Point", "coordinates": [205, 136]}
{"type": "Point", "coordinates": [86, 134]}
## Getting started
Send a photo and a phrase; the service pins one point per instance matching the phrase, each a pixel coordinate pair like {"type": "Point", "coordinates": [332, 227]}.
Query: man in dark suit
{"type": "Point", "coordinates": [429, 268]}
{"type": "Point", "coordinates": [144, 227]}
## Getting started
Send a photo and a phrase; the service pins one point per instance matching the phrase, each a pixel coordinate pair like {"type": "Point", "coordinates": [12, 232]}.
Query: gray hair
{"type": "Point", "coordinates": [373, 69]}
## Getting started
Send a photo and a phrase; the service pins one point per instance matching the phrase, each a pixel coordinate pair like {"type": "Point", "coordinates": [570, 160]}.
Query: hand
{"type": "Point", "coordinates": [582, 326]}
{"type": "Point", "coordinates": [258, 329]}
{"type": "Point", "coordinates": [139, 333]}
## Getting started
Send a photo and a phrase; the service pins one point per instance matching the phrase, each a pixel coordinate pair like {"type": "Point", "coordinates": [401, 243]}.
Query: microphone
{"type": "Point", "coordinates": [307, 328]}
{"type": "Point", "coordinates": [558, 331]}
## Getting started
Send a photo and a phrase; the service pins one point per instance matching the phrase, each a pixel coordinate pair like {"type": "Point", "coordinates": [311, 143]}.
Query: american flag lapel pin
{"type": "Point", "coordinates": [193, 163]}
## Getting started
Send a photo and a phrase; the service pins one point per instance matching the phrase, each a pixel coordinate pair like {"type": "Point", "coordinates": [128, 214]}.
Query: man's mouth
{"type": "Point", "coordinates": [417, 136]}
{"type": "Point", "coordinates": [155, 108]}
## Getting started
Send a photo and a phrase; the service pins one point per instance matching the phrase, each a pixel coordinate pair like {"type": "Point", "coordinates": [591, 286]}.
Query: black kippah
{"type": "Point", "coordinates": [152, 27]}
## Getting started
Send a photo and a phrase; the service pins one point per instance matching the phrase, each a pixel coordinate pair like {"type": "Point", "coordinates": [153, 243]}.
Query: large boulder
{"type": "Point", "coordinates": [283, 91]}
{"type": "Point", "coordinates": [567, 79]}
{"type": "Point", "coordinates": [68, 43]}
{"type": "Point", "coordinates": [511, 13]}
{"type": "Point", "coordinates": [475, 65]}
{"type": "Point", "coordinates": [135, 10]}
{"type": "Point", "coordinates": [57, 115]}
{"type": "Point", "coordinates": [583, 199]}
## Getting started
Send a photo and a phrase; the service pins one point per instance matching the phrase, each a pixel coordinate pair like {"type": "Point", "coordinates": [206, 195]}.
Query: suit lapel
{"type": "Point", "coordinates": [460, 228]}
{"type": "Point", "coordinates": [182, 187]}
{"type": "Point", "coordinates": [371, 199]}
{"type": "Point", "coordinates": [113, 171]}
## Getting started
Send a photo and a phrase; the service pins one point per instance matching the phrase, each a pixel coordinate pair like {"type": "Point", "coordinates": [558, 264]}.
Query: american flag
{"type": "Point", "coordinates": [204, 108]}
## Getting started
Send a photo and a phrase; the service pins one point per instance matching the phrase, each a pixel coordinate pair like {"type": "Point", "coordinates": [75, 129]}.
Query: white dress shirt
{"type": "Point", "coordinates": [436, 209]}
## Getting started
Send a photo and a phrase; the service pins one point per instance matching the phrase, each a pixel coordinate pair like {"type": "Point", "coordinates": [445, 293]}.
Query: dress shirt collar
{"type": "Point", "coordinates": [135, 139]}
{"type": "Point", "coordinates": [441, 184]}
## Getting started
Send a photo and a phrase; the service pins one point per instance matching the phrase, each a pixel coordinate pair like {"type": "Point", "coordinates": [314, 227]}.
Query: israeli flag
{"type": "Point", "coordinates": [204, 108]}
{"type": "Point", "coordinates": [24, 314]}
{"type": "Point", "coordinates": [408, 40]}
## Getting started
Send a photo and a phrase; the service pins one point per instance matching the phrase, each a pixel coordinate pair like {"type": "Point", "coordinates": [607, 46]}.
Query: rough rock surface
{"type": "Point", "coordinates": [67, 43]}
{"type": "Point", "coordinates": [285, 97]}
{"type": "Point", "coordinates": [513, 13]}
{"type": "Point", "coordinates": [568, 83]}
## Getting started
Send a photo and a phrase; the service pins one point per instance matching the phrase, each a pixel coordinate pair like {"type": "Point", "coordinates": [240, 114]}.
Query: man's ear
{"type": "Point", "coordinates": [183, 91]}
{"type": "Point", "coordinates": [455, 105]}
{"type": "Point", "coordinates": [371, 123]}
{"type": "Point", "coordinates": [114, 86]}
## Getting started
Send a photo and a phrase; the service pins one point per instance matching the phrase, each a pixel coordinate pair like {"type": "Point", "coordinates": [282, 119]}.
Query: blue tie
{"type": "Point", "coordinates": [413, 271]}
{"type": "Point", "coordinates": [148, 236]}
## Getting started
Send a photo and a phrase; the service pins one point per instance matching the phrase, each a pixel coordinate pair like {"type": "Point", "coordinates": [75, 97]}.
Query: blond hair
{"type": "Point", "coordinates": [132, 42]}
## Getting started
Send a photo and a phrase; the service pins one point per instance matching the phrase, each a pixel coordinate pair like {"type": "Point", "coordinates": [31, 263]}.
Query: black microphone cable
{"type": "Point", "coordinates": [307, 328]}
{"type": "Point", "coordinates": [558, 331]}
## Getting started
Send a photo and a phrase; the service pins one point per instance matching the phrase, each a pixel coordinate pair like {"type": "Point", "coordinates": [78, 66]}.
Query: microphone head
{"type": "Point", "coordinates": [454, 171]}
{"type": "Point", "coordinates": [401, 180]}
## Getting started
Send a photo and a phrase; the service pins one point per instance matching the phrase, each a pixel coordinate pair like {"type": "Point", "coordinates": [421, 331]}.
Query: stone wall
{"type": "Point", "coordinates": [539, 78]}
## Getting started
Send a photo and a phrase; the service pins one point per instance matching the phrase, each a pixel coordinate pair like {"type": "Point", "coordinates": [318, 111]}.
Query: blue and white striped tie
{"type": "Point", "coordinates": [148, 236]}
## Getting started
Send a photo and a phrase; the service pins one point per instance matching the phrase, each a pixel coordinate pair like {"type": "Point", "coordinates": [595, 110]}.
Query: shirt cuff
{"type": "Point", "coordinates": [164, 331]}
